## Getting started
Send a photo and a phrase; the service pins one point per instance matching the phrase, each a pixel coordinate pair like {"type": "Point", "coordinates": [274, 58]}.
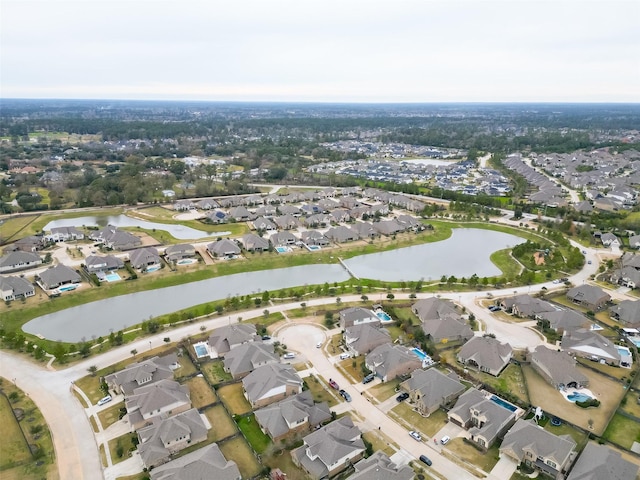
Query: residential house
{"type": "Point", "coordinates": [98, 263]}
{"type": "Point", "coordinates": [223, 248]}
{"type": "Point", "coordinates": [318, 220]}
{"type": "Point", "coordinates": [408, 222]}
{"type": "Point", "coordinates": [115, 239]}
{"type": "Point", "coordinates": [54, 277]}
{"type": "Point", "coordinates": [13, 288]}
{"type": "Point", "coordinates": [389, 361]}
{"type": "Point", "coordinates": [64, 234]}
{"type": "Point", "coordinates": [589, 296]}
{"type": "Point", "coordinates": [289, 210]}
{"type": "Point", "coordinates": [610, 240]}
{"type": "Point", "coordinates": [431, 389]}
{"type": "Point", "coordinates": [537, 448]}
{"type": "Point", "coordinates": [18, 260]}
{"type": "Point", "coordinates": [283, 238]}
{"type": "Point", "coordinates": [557, 368]}
{"type": "Point", "coordinates": [168, 435]}
{"type": "Point", "coordinates": [627, 277]}
{"type": "Point", "coordinates": [634, 241]}
{"type": "Point", "coordinates": [292, 415]}
{"type": "Point", "coordinates": [366, 230]}
{"type": "Point", "coordinates": [173, 253]}
{"type": "Point", "coordinates": [268, 211]}
{"type": "Point", "coordinates": [447, 330]}
{"type": "Point", "coordinates": [217, 217]}
{"type": "Point", "coordinates": [485, 420]}
{"type": "Point", "coordinates": [591, 345]}
{"type": "Point", "coordinates": [330, 449]}
{"type": "Point", "coordinates": [314, 237]}
{"type": "Point", "coordinates": [340, 215]}
{"type": "Point", "coordinates": [166, 397]}
{"type": "Point", "coordinates": [264, 224]}
{"type": "Point", "coordinates": [598, 462]}
{"type": "Point", "coordinates": [240, 214]}
{"type": "Point", "coordinates": [247, 357]}
{"type": "Point", "coordinates": [207, 204]}
{"type": "Point", "coordinates": [486, 354]}
{"type": "Point", "coordinates": [224, 339]}
{"type": "Point", "coordinates": [32, 243]}
{"type": "Point", "coordinates": [206, 462]}
{"type": "Point", "coordinates": [254, 243]}
{"type": "Point", "coordinates": [286, 222]}
{"type": "Point", "coordinates": [526, 306]}
{"type": "Point", "coordinates": [342, 234]}
{"type": "Point", "coordinates": [270, 383]}
{"type": "Point", "coordinates": [145, 257]}
{"type": "Point", "coordinates": [142, 373]}
{"type": "Point", "coordinates": [184, 205]}
{"type": "Point", "coordinates": [434, 308]}
{"type": "Point", "coordinates": [362, 338]}
{"type": "Point", "coordinates": [388, 227]}
{"type": "Point", "coordinates": [357, 316]}
{"type": "Point", "coordinates": [565, 320]}
{"type": "Point", "coordinates": [627, 313]}
{"type": "Point", "coordinates": [380, 467]}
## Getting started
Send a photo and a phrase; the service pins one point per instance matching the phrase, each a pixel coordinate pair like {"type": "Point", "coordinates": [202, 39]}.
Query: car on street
{"type": "Point", "coordinates": [333, 384]}
{"type": "Point", "coordinates": [319, 345]}
{"type": "Point", "coordinates": [415, 436]}
{"type": "Point", "coordinates": [104, 400]}
{"type": "Point", "coordinates": [584, 252]}
{"type": "Point", "coordinates": [425, 459]}
{"type": "Point", "coordinates": [266, 337]}
{"type": "Point", "coordinates": [402, 397]}
{"type": "Point", "coordinates": [289, 356]}
{"type": "Point", "coordinates": [345, 395]}
{"type": "Point", "coordinates": [368, 378]}
{"type": "Point", "coordinates": [444, 440]}
{"type": "Point", "coordinates": [589, 262]}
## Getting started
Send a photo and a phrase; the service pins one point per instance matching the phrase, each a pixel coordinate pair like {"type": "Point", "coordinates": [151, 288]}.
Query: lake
{"type": "Point", "coordinates": [178, 231]}
{"type": "Point", "coordinates": [466, 252]}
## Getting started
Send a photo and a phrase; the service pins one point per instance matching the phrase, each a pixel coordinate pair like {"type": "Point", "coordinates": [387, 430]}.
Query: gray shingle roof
{"type": "Point", "coordinates": [205, 463]}
{"type": "Point", "coordinates": [380, 467]}
{"type": "Point", "coordinates": [273, 377]}
{"type": "Point", "coordinates": [598, 462]}
{"type": "Point", "coordinates": [54, 276]}
{"type": "Point", "coordinates": [247, 357]}
{"type": "Point", "coordinates": [487, 352]}
{"type": "Point", "coordinates": [276, 419]}
{"type": "Point", "coordinates": [558, 366]}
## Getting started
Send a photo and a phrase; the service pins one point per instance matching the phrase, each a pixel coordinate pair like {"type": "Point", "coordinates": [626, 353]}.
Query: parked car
{"type": "Point", "coordinates": [584, 252]}
{"type": "Point", "coordinates": [333, 384]}
{"type": "Point", "coordinates": [289, 356]}
{"type": "Point", "coordinates": [345, 355]}
{"type": "Point", "coordinates": [345, 395]}
{"type": "Point", "coordinates": [415, 436]}
{"type": "Point", "coordinates": [444, 440]}
{"type": "Point", "coordinates": [319, 345]}
{"type": "Point", "coordinates": [589, 262]}
{"type": "Point", "coordinates": [104, 400]}
{"type": "Point", "coordinates": [368, 378]}
{"type": "Point", "coordinates": [402, 397]}
{"type": "Point", "coordinates": [425, 459]}
{"type": "Point", "coordinates": [266, 337]}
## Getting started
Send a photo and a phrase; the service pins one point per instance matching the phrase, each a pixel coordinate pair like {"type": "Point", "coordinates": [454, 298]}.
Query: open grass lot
{"type": "Point", "coordinates": [233, 398]}
{"type": "Point", "coordinates": [201, 393]}
{"type": "Point", "coordinates": [186, 368]}
{"type": "Point", "coordinates": [630, 404]}
{"type": "Point", "coordinates": [352, 368]}
{"type": "Point", "coordinates": [384, 391]}
{"type": "Point", "coordinates": [609, 393]}
{"type": "Point", "coordinates": [110, 415]}
{"type": "Point", "coordinates": [125, 442]}
{"type": "Point", "coordinates": [469, 453]}
{"type": "Point", "coordinates": [623, 431]}
{"type": "Point", "coordinates": [578, 436]}
{"type": "Point", "coordinates": [239, 451]}
{"type": "Point", "coordinates": [320, 390]}
{"type": "Point", "coordinates": [137, 476]}
{"type": "Point", "coordinates": [379, 442]}
{"type": "Point", "coordinates": [254, 435]}
{"type": "Point", "coordinates": [222, 425]}
{"type": "Point", "coordinates": [214, 372]}
{"type": "Point", "coordinates": [510, 381]}
{"type": "Point", "coordinates": [14, 228]}
{"type": "Point", "coordinates": [414, 421]}
{"type": "Point", "coordinates": [282, 460]}
{"type": "Point", "coordinates": [14, 449]}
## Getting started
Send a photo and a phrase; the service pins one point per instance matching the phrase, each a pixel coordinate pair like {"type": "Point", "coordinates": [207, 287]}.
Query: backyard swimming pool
{"type": "Point", "coordinates": [426, 359]}
{"type": "Point", "coordinates": [153, 268]}
{"type": "Point", "coordinates": [186, 261]}
{"type": "Point", "coordinates": [635, 341]}
{"type": "Point", "coordinates": [112, 277]}
{"type": "Point", "coordinates": [201, 350]}
{"type": "Point", "coordinates": [503, 403]}
{"type": "Point", "coordinates": [67, 288]}
{"type": "Point", "coordinates": [283, 249]}
{"type": "Point", "coordinates": [313, 248]}
{"type": "Point", "coordinates": [578, 397]}
{"type": "Point", "coordinates": [383, 316]}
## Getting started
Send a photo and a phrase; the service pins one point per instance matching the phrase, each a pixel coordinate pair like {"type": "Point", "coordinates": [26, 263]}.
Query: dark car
{"type": "Point", "coordinates": [402, 397]}
{"type": "Point", "coordinates": [345, 395]}
{"type": "Point", "coordinates": [425, 459]}
{"type": "Point", "coordinates": [369, 378]}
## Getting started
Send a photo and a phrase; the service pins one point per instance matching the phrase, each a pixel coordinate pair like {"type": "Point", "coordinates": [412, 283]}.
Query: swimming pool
{"type": "Point", "coordinates": [313, 248]}
{"type": "Point", "coordinates": [420, 353]}
{"type": "Point", "coordinates": [635, 341]}
{"type": "Point", "coordinates": [112, 277]}
{"type": "Point", "coordinates": [186, 261]}
{"type": "Point", "coordinates": [383, 316]}
{"type": "Point", "coordinates": [282, 249]}
{"type": "Point", "coordinates": [153, 268]}
{"type": "Point", "coordinates": [503, 403]}
{"type": "Point", "coordinates": [67, 288]}
{"type": "Point", "coordinates": [578, 397]}
{"type": "Point", "coordinates": [201, 350]}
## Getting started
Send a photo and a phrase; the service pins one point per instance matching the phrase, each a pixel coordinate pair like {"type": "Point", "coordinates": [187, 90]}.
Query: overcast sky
{"type": "Point", "coordinates": [327, 50]}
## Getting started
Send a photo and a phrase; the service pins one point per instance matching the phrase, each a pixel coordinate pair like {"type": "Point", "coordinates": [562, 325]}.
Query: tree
{"type": "Point", "coordinates": [92, 370]}
{"type": "Point", "coordinates": [134, 352]}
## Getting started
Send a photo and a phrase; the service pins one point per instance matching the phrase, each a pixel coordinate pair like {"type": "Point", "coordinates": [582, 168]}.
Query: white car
{"type": "Point", "coordinates": [319, 345]}
{"type": "Point", "coordinates": [344, 356]}
{"type": "Point", "coordinates": [415, 436]}
{"type": "Point", "coordinates": [444, 440]}
{"type": "Point", "coordinates": [104, 400]}
{"type": "Point", "coordinates": [289, 356]}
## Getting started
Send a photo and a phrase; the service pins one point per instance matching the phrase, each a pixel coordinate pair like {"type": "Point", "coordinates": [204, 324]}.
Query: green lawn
{"type": "Point", "coordinates": [384, 391]}
{"type": "Point", "coordinates": [233, 398]}
{"type": "Point", "coordinates": [254, 435]}
{"type": "Point", "coordinates": [13, 448]}
{"type": "Point", "coordinates": [623, 431]}
{"type": "Point", "coordinates": [214, 372]}
{"type": "Point", "coordinates": [124, 445]}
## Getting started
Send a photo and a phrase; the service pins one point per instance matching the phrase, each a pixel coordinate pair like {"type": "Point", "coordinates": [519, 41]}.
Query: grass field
{"type": "Point", "coordinates": [470, 454]}
{"type": "Point", "coordinates": [352, 368]}
{"type": "Point", "coordinates": [110, 415]}
{"type": "Point", "coordinates": [186, 368]}
{"type": "Point", "coordinates": [384, 391]}
{"type": "Point", "coordinates": [222, 425]}
{"type": "Point", "coordinates": [254, 435]}
{"type": "Point", "coordinates": [214, 372]}
{"type": "Point", "coordinates": [319, 392]}
{"type": "Point", "coordinates": [623, 431]}
{"type": "Point", "coordinates": [282, 460]}
{"type": "Point", "coordinates": [239, 451]}
{"type": "Point", "coordinates": [201, 393]}
{"type": "Point", "coordinates": [125, 443]}
{"type": "Point", "coordinates": [379, 442]}
{"type": "Point", "coordinates": [578, 436]}
{"type": "Point", "coordinates": [13, 448]}
{"type": "Point", "coordinates": [233, 398]}
{"type": "Point", "coordinates": [414, 421]}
